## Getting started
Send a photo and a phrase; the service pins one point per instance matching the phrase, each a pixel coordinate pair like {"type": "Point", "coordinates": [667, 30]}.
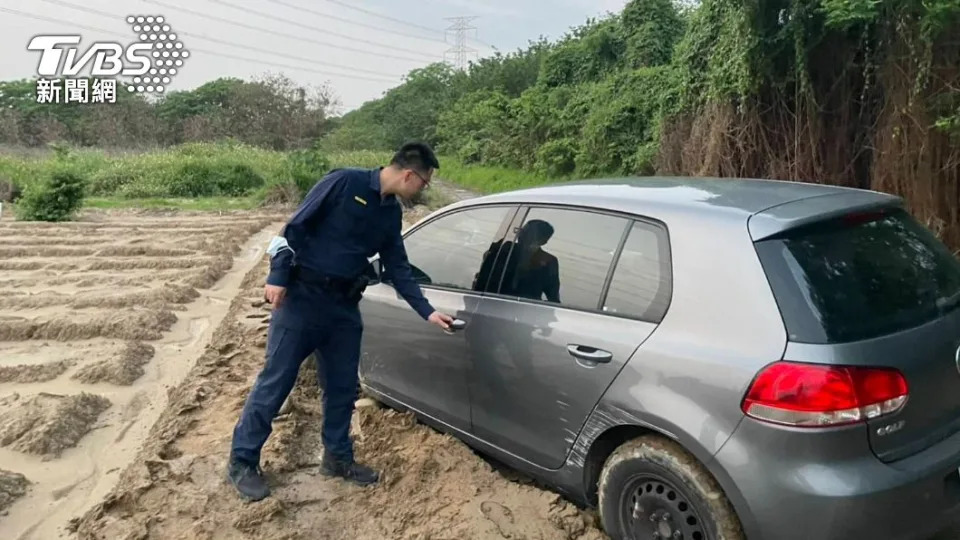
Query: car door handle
{"type": "Point", "coordinates": [457, 324]}
{"type": "Point", "coordinates": [589, 354]}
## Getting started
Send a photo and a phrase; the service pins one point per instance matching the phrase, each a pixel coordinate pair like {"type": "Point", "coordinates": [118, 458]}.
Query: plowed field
{"type": "Point", "coordinates": [98, 319]}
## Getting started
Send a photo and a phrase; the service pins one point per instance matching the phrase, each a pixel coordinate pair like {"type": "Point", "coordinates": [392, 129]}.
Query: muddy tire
{"type": "Point", "coordinates": [651, 487]}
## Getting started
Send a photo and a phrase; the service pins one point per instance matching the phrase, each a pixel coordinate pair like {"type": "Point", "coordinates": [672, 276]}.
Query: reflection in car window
{"type": "Point", "coordinates": [860, 276]}
{"type": "Point", "coordinates": [561, 256]}
{"type": "Point", "coordinates": [449, 250]}
{"type": "Point", "coordinates": [641, 283]}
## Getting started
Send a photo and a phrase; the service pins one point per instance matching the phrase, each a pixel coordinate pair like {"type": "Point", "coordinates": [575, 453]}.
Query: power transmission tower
{"type": "Point", "coordinates": [460, 26]}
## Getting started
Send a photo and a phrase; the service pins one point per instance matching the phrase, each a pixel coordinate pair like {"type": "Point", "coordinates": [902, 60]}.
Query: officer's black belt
{"type": "Point", "coordinates": [351, 288]}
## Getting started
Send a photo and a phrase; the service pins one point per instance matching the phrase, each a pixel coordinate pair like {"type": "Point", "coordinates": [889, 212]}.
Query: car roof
{"type": "Point", "coordinates": [781, 203]}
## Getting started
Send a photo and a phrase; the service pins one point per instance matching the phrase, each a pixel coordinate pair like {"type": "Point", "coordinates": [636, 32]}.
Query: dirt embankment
{"type": "Point", "coordinates": [433, 486]}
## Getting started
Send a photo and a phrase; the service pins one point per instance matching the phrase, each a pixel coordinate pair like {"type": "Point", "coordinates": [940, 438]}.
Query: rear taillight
{"type": "Point", "coordinates": [817, 395]}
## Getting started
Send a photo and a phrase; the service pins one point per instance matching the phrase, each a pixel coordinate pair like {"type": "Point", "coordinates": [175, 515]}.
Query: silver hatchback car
{"type": "Point", "coordinates": [699, 359]}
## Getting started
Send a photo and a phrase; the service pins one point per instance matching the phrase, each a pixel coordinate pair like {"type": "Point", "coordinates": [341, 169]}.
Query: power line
{"type": "Point", "coordinates": [387, 17]}
{"type": "Point", "coordinates": [348, 21]}
{"type": "Point", "coordinates": [212, 53]}
{"type": "Point", "coordinates": [390, 76]}
{"type": "Point", "coordinates": [228, 43]}
{"type": "Point", "coordinates": [482, 42]}
{"type": "Point", "coordinates": [401, 21]}
{"type": "Point", "coordinates": [314, 28]}
{"type": "Point", "coordinates": [281, 34]}
{"type": "Point", "coordinates": [361, 77]}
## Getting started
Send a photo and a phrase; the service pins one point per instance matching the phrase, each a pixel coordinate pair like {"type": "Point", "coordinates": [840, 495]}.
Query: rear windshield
{"type": "Point", "coordinates": [860, 276]}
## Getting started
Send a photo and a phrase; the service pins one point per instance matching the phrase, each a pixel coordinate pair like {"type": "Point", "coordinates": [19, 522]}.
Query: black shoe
{"type": "Point", "coordinates": [349, 470]}
{"type": "Point", "coordinates": [248, 480]}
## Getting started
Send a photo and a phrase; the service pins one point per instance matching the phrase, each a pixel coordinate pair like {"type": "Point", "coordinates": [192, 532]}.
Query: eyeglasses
{"type": "Point", "coordinates": [426, 183]}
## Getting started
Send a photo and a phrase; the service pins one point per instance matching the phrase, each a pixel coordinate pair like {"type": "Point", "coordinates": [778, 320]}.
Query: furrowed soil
{"type": "Point", "coordinates": [433, 486]}
{"type": "Point", "coordinates": [99, 318]}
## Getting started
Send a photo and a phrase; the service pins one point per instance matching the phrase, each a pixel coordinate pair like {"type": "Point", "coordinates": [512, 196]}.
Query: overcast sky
{"type": "Point", "coordinates": [360, 48]}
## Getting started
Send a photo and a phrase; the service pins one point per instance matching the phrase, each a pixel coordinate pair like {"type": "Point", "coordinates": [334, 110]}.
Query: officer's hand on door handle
{"type": "Point", "coordinates": [274, 294]}
{"type": "Point", "coordinates": [441, 319]}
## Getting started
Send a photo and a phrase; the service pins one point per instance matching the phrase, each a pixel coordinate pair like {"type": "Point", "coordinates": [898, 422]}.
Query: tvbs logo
{"type": "Point", "coordinates": [106, 57]}
{"type": "Point", "coordinates": [147, 64]}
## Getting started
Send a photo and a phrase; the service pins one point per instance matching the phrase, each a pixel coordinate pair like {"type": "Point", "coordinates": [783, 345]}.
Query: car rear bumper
{"type": "Point", "coordinates": [794, 484]}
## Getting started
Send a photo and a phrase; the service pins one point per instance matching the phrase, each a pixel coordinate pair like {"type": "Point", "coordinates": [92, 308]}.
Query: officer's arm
{"type": "Point", "coordinates": [394, 256]}
{"type": "Point", "coordinates": [553, 281]}
{"type": "Point", "coordinates": [313, 208]}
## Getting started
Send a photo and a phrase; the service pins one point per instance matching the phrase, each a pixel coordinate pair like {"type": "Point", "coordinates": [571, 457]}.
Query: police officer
{"type": "Point", "coordinates": [314, 284]}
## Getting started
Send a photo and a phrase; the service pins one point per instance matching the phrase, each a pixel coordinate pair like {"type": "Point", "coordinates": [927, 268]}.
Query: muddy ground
{"type": "Point", "coordinates": [98, 318]}
{"type": "Point", "coordinates": [433, 486]}
{"type": "Point", "coordinates": [128, 342]}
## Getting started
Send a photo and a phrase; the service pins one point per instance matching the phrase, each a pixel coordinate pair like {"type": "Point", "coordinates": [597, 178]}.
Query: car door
{"type": "Point", "coordinates": [541, 364]}
{"type": "Point", "coordinates": [409, 359]}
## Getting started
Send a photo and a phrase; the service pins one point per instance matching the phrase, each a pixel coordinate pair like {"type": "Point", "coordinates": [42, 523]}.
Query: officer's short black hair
{"type": "Point", "coordinates": [537, 229]}
{"type": "Point", "coordinates": [417, 156]}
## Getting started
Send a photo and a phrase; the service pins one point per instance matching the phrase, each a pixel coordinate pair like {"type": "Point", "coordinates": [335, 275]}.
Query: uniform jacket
{"type": "Point", "coordinates": [341, 223]}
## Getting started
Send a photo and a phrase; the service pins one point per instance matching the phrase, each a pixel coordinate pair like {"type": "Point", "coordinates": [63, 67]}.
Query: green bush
{"type": "Point", "coordinates": [112, 179]}
{"type": "Point", "coordinates": [284, 194]}
{"type": "Point", "coordinates": [192, 170]}
{"type": "Point", "coordinates": [487, 179]}
{"type": "Point", "coordinates": [55, 199]}
{"type": "Point", "coordinates": [223, 168]}
{"type": "Point", "coordinates": [358, 158]}
{"type": "Point", "coordinates": [557, 158]}
{"type": "Point", "coordinates": [203, 179]}
{"type": "Point", "coordinates": [306, 167]}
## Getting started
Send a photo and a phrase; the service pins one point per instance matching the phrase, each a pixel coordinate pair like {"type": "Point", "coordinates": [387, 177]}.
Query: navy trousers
{"type": "Point", "coordinates": [331, 330]}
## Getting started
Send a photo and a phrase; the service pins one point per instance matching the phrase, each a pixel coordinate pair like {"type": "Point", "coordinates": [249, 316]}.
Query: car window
{"type": "Point", "coordinates": [860, 276]}
{"type": "Point", "coordinates": [448, 251]}
{"type": "Point", "coordinates": [560, 256]}
{"type": "Point", "coordinates": [642, 282]}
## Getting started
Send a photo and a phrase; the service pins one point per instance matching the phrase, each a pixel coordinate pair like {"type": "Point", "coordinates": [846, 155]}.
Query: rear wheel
{"type": "Point", "coordinates": [652, 489]}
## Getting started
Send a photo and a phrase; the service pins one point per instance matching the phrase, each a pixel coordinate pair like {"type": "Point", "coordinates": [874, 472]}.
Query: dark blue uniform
{"type": "Point", "coordinates": [341, 223]}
